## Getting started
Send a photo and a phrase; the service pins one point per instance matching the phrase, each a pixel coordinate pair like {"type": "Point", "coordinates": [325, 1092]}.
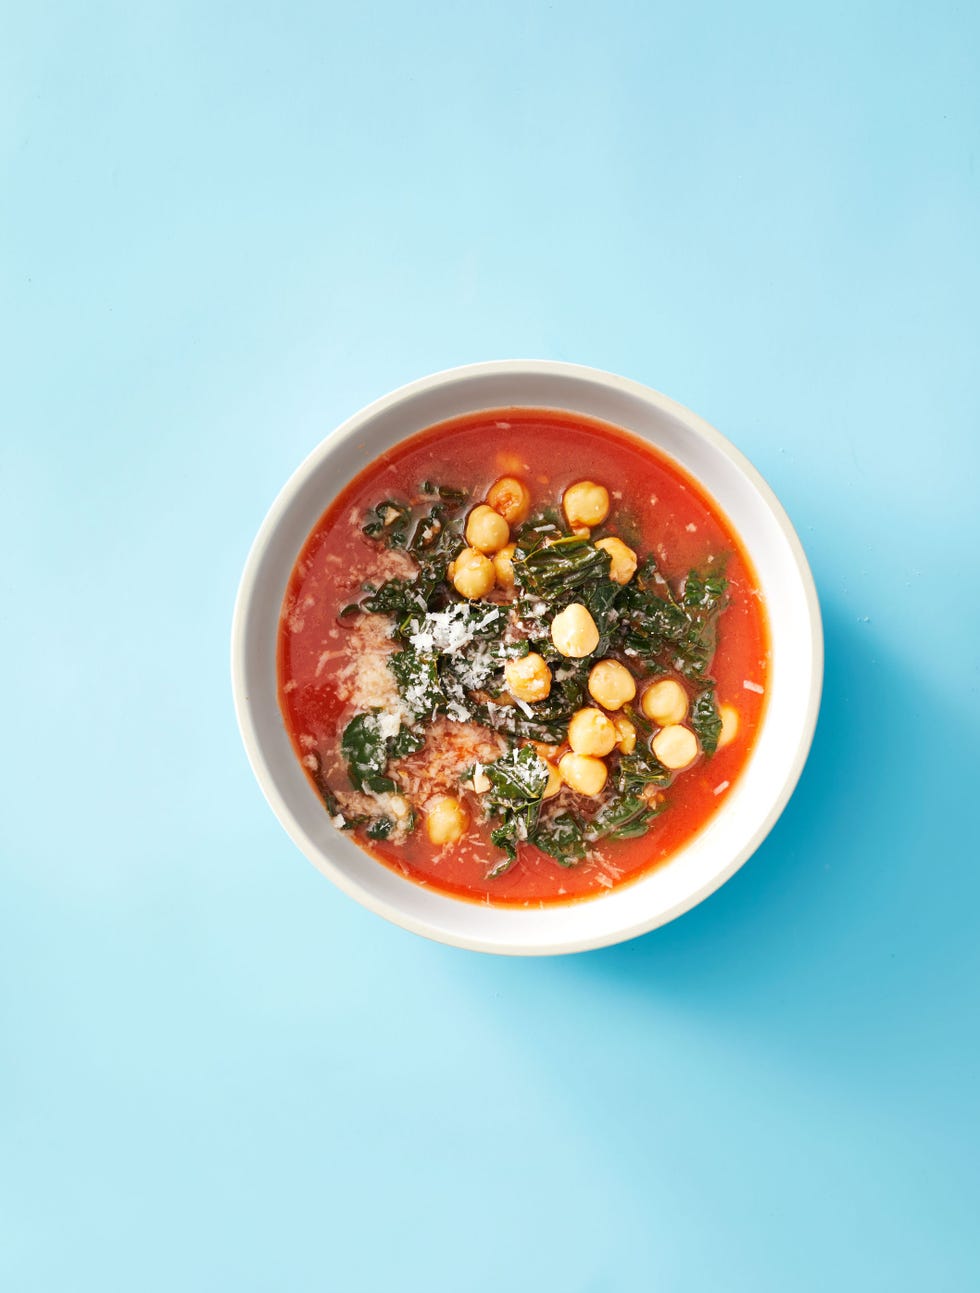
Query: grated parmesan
{"type": "Point", "coordinates": [753, 686]}
{"type": "Point", "coordinates": [449, 631]}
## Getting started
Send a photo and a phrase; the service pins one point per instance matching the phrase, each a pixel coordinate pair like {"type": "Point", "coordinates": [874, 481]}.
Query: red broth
{"type": "Point", "coordinates": [663, 510]}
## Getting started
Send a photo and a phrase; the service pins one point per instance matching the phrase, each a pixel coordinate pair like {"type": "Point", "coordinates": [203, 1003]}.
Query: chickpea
{"type": "Point", "coordinates": [486, 530]}
{"type": "Point", "coordinates": [574, 632]}
{"type": "Point", "coordinates": [503, 565]}
{"type": "Point", "coordinates": [528, 678]}
{"type": "Point", "coordinates": [622, 559]}
{"type": "Point", "coordinates": [729, 725]}
{"type": "Point", "coordinates": [590, 732]}
{"type": "Point", "coordinates": [626, 733]}
{"type": "Point", "coordinates": [611, 684]}
{"type": "Point", "coordinates": [554, 781]}
{"type": "Point", "coordinates": [665, 702]}
{"type": "Point", "coordinates": [586, 503]}
{"type": "Point", "coordinates": [472, 573]}
{"type": "Point", "coordinates": [676, 747]}
{"type": "Point", "coordinates": [446, 820]}
{"type": "Point", "coordinates": [583, 773]}
{"type": "Point", "coordinates": [511, 498]}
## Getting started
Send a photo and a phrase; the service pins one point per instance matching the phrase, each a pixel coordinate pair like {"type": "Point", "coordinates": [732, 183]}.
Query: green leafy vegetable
{"type": "Point", "coordinates": [417, 676]}
{"type": "Point", "coordinates": [704, 593]}
{"type": "Point", "coordinates": [449, 492]}
{"type": "Point", "coordinates": [666, 634]}
{"type": "Point", "coordinates": [706, 720]}
{"type": "Point", "coordinates": [365, 752]}
{"type": "Point", "coordinates": [518, 777]}
{"type": "Point", "coordinates": [399, 597]}
{"type": "Point", "coordinates": [380, 828]}
{"type": "Point", "coordinates": [624, 818]}
{"type": "Point", "coordinates": [517, 783]}
{"type": "Point", "coordinates": [561, 838]}
{"type": "Point", "coordinates": [389, 522]}
{"type": "Point", "coordinates": [640, 769]}
{"type": "Point", "coordinates": [406, 742]}
{"type": "Point", "coordinates": [555, 570]}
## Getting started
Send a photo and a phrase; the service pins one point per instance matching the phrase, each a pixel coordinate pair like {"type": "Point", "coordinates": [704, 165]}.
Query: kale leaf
{"type": "Point", "coordinates": [704, 593]}
{"type": "Point", "coordinates": [561, 838]}
{"type": "Point", "coordinates": [449, 492]}
{"type": "Point", "coordinates": [705, 720]}
{"type": "Point", "coordinates": [417, 676]}
{"type": "Point", "coordinates": [517, 784]}
{"type": "Point", "coordinates": [555, 570]}
{"type": "Point", "coordinates": [401, 598]}
{"type": "Point", "coordinates": [640, 769]}
{"type": "Point", "coordinates": [670, 635]}
{"type": "Point", "coordinates": [389, 522]}
{"type": "Point", "coordinates": [625, 817]}
{"type": "Point", "coordinates": [380, 828]}
{"type": "Point", "coordinates": [516, 778]}
{"type": "Point", "coordinates": [365, 752]}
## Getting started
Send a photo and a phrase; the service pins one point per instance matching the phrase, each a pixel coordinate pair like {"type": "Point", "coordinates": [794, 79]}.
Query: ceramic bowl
{"type": "Point", "coordinates": [783, 742]}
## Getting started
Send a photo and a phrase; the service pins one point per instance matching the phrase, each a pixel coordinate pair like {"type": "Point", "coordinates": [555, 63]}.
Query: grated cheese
{"type": "Point", "coordinates": [449, 631]}
{"type": "Point", "coordinates": [753, 686]}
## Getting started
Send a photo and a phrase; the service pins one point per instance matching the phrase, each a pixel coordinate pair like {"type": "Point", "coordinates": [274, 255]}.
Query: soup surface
{"type": "Point", "coordinates": [522, 658]}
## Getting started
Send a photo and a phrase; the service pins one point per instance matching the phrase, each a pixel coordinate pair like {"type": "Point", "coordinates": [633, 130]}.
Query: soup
{"type": "Point", "coordinates": [522, 658]}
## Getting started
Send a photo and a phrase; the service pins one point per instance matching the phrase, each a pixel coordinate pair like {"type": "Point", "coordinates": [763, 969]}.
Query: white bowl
{"type": "Point", "coordinates": [794, 685]}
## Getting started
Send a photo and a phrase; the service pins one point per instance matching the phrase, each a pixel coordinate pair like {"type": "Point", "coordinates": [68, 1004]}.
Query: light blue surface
{"type": "Point", "coordinates": [224, 228]}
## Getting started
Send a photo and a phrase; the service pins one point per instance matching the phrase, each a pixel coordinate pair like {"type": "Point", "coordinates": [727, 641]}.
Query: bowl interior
{"type": "Point", "coordinates": [795, 676]}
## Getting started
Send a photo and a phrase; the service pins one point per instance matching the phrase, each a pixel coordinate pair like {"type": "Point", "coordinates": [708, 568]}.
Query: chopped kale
{"type": "Point", "coordinates": [704, 593]}
{"type": "Point", "coordinates": [417, 676]}
{"type": "Point", "coordinates": [650, 625]}
{"type": "Point", "coordinates": [434, 542]}
{"type": "Point", "coordinates": [516, 778]}
{"type": "Point", "coordinates": [562, 839]}
{"type": "Point", "coordinates": [601, 598]}
{"type": "Point", "coordinates": [389, 522]}
{"type": "Point", "coordinates": [406, 742]}
{"type": "Point", "coordinates": [705, 720]}
{"type": "Point", "coordinates": [448, 492]}
{"type": "Point", "coordinates": [624, 817]}
{"type": "Point", "coordinates": [555, 570]}
{"type": "Point", "coordinates": [512, 721]}
{"type": "Point", "coordinates": [669, 635]}
{"type": "Point", "coordinates": [399, 597]}
{"type": "Point", "coordinates": [365, 752]}
{"type": "Point", "coordinates": [380, 828]}
{"type": "Point", "coordinates": [640, 769]}
{"type": "Point", "coordinates": [517, 784]}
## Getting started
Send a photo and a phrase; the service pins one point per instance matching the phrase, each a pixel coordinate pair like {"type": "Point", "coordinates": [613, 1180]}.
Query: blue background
{"type": "Point", "coordinates": [224, 228]}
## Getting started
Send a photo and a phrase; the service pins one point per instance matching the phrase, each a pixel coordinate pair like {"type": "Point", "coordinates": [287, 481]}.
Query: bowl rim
{"type": "Point", "coordinates": [280, 508]}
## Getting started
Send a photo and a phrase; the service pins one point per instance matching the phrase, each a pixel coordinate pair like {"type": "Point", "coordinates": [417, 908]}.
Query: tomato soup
{"type": "Point", "coordinates": [523, 658]}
